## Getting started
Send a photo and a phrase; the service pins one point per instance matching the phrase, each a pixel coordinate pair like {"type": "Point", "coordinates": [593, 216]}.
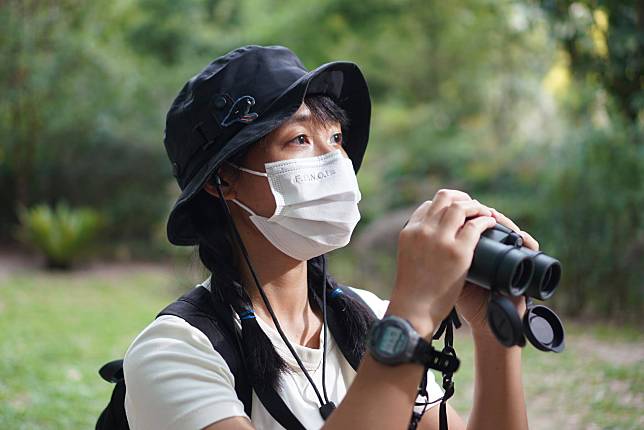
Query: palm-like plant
{"type": "Point", "coordinates": [62, 233]}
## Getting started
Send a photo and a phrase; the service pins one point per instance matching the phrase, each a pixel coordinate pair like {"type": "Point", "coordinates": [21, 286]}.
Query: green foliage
{"type": "Point", "coordinates": [75, 117]}
{"type": "Point", "coordinates": [459, 101]}
{"type": "Point", "coordinates": [62, 234]}
{"type": "Point", "coordinates": [604, 43]}
{"type": "Point", "coordinates": [595, 203]}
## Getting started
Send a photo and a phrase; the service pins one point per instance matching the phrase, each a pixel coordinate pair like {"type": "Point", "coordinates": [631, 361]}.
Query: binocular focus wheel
{"type": "Point", "coordinates": [504, 321]}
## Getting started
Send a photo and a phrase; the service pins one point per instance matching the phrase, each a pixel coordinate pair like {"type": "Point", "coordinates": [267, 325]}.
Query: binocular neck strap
{"type": "Point", "coordinates": [447, 326]}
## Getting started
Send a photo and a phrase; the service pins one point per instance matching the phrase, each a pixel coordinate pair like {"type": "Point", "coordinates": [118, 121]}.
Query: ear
{"type": "Point", "coordinates": [227, 176]}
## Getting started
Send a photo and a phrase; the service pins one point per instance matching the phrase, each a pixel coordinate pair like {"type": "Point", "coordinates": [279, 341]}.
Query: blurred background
{"type": "Point", "coordinates": [532, 107]}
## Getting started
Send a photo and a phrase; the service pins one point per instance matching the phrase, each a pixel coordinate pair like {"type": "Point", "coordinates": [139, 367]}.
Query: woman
{"type": "Point", "coordinates": [265, 153]}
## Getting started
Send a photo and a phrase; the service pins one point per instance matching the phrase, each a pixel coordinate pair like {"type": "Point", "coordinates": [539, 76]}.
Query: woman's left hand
{"type": "Point", "coordinates": [472, 303]}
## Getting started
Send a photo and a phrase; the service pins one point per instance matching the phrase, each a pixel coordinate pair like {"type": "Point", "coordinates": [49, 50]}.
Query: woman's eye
{"type": "Point", "coordinates": [301, 139]}
{"type": "Point", "coordinates": [336, 139]}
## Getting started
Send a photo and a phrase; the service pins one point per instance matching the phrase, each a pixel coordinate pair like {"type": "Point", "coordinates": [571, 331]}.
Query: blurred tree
{"type": "Point", "coordinates": [470, 94]}
{"type": "Point", "coordinates": [67, 102]}
{"type": "Point", "coordinates": [604, 42]}
{"type": "Point", "coordinates": [596, 194]}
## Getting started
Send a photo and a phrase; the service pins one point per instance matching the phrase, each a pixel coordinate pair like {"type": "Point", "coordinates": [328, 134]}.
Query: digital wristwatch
{"type": "Point", "coordinates": [392, 341]}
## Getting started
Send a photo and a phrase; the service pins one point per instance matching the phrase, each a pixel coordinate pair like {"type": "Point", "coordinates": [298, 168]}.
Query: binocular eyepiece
{"type": "Point", "coordinates": [505, 267]}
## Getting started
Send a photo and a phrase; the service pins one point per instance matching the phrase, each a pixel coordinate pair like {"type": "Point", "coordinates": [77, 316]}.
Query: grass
{"type": "Point", "coordinates": [596, 383]}
{"type": "Point", "coordinates": [58, 329]}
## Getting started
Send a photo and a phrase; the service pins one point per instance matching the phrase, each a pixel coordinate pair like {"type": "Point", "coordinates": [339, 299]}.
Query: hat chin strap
{"type": "Point", "coordinates": [326, 406]}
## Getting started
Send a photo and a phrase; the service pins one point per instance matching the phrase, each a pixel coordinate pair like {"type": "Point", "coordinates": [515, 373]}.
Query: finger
{"type": "Point", "coordinates": [529, 241]}
{"type": "Point", "coordinates": [503, 220]}
{"type": "Point", "coordinates": [471, 231]}
{"type": "Point", "coordinates": [420, 213]}
{"type": "Point", "coordinates": [443, 198]}
{"type": "Point", "coordinates": [457, 213]}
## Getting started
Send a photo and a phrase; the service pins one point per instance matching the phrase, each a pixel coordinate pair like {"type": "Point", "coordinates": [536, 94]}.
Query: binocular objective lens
{"type": "Point", "coordinates": [521, 277]}
{"type": "Point", "coordinates": [550, 280]}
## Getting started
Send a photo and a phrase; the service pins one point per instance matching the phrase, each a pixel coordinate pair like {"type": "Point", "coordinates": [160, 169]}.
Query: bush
{"type": "Point", "coordinates": [595, 221]}
{"type": "Point", "coordinates": [62, 234]}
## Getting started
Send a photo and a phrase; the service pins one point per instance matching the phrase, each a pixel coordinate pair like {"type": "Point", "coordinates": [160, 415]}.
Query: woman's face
{"type": "Point", "coordinates": [300, 136]}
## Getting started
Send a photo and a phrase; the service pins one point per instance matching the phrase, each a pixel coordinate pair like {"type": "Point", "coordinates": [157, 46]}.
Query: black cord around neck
{"type": "Point", "coordinates": [326, 397]}
{"type": "Point", "coordinates": [326, 407]}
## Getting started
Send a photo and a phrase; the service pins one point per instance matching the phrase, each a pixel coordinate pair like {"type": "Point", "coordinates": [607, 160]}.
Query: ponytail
{"type": "Point", "coordinates": [351, 314]}
{"type": "Point", "coordinates": [216, 252]}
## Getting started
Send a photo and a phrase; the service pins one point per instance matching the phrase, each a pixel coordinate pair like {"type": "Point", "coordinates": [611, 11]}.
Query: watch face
{"type": "Point", "coordinates": [392, 341]}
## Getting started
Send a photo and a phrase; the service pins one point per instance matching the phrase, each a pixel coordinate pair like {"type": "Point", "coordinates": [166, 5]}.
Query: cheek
{"type": "Point", "coordinates": [256, 193]}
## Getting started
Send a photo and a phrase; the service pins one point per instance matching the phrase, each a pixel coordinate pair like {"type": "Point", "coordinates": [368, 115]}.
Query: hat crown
{"type": "Point", "coordinates": [228, 93]}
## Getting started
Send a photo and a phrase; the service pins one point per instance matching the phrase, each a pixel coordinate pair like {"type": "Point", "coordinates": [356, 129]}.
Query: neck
{"type": "Point", "coordinates": [283, 279]}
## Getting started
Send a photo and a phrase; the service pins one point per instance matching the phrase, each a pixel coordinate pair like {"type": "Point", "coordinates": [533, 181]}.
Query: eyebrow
{"type": "Point", "coordinates": [300, 118]}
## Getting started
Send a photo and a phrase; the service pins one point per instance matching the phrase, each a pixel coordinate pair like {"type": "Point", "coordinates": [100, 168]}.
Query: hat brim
{"type": "Point", "coordinates": [343, 80]}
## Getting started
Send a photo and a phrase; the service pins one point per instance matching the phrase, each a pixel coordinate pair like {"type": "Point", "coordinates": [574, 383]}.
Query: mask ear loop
{"type": "Point", "coordinates": [326, 407]}
{"type": "Point", "coordinates": [252, 172]}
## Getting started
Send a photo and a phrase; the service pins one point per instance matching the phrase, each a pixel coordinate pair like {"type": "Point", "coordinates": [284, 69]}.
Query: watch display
{"type": "Point", "coordinates": [392, 341]}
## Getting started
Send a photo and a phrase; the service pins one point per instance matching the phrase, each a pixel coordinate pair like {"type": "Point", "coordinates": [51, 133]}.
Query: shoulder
{"type": "Point", "coordinates": [168, 336]}
{"type": "Point", "coordinates": [175, 379]}
{"type": "Point", "coordinates": [378, 305]}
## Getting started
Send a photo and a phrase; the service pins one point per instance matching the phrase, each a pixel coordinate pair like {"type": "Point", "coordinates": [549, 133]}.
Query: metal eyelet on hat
{"type": "Point", "coordinates": [220, 102]}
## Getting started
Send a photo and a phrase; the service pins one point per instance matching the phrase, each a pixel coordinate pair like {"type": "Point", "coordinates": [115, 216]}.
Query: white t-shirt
{"type": "Point", "coordinates": [176, 380]}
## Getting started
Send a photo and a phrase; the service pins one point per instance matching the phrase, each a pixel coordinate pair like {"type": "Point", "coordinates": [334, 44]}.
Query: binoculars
{"type": "Point", "coordinates": [504, 266]}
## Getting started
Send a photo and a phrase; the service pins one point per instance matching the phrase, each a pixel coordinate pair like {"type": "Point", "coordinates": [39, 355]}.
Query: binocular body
{"type": "Point", "coordinates": [503, 265]}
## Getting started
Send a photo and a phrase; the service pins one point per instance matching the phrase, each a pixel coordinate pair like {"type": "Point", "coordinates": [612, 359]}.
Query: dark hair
{"type": "Point", "coordinates": [216, 251]}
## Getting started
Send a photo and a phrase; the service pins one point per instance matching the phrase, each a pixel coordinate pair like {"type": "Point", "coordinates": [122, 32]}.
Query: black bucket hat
{"type": "Point", "coordinates": [239, 98]}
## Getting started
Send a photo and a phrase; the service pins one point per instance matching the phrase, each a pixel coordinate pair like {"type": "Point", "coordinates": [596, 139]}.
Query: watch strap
{"type": "Point", "coordinates": [437, 360]}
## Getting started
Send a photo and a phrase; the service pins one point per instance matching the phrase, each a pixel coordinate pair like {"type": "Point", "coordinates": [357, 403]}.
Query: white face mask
{"type": "Point", "coordinates": [316, 204]}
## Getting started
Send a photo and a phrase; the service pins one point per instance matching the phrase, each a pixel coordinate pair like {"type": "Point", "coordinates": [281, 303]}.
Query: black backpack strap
{"type": "Point", "coordinates": [113, 416]}
{"type": "Point", "coordinates": [215, 320]}
{"type": "Point", "coordinates": [275, 405]}
{"type": "Point", "coordinates": [199, 310]}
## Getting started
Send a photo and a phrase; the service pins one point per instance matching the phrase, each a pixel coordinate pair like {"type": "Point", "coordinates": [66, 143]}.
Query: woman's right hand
{"type": "Point", "coordinates": [435, 251]}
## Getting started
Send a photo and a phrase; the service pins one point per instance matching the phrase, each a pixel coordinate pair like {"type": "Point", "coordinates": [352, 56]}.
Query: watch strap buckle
{"type": "Point", "coordinates": [444, 362]}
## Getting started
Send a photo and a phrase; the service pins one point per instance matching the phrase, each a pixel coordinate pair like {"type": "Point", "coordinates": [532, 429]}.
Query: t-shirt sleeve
{"type": "Point", "coordinates": [176, 380]}
{"type": "Point", "coordinates": [379, 307]}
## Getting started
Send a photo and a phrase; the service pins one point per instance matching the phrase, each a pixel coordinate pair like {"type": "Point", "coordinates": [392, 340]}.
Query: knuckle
{"type": "Point", "coordinates": [416, 232]}
{"type": "Point", "coordinates": [458, 205]}
{"type": "Point", "coordinates": [447, 248]}
{"type": "Point", "coordinates": [456, 254]}
{"type": "Point", "coordinates": [470, 225]}
{"type": "Point", "coordinates": [443, 192]}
